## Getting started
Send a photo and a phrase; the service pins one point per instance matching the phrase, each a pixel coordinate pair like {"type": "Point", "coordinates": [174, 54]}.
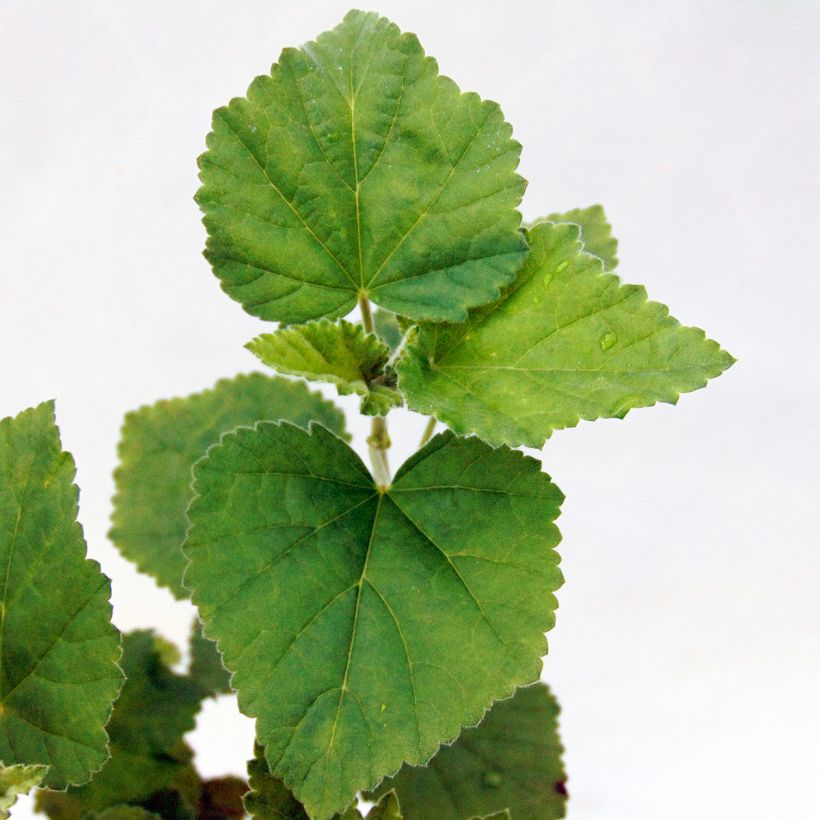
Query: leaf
{"type": "Point", "coordinates": [269, 797]}
{"type": "Point", "coordinates": [58, 648]}
{"type": "Point", "coordinates": [365, 628]}
{"type": "Point", "coordinates": [388, 328]}
{"type": "Point", "coordinates": [155, 709]}
{"type": "Point", "coordinates": [222, 798]}
{"type": "Point", "coordinates": [337, 352]}
{"type": "Point", "coordinates": [125, 813]}
{"type": "Point", "coordinates": [565, 342]}
{"type": "Point", "coordinates": [160, 443]}
{"type": "Point", "coordinates": [510, 761]}
{"type": "Point", "coordinates": [355, 169]}
{"type": "Point", "coordinates": [206, 669]}
{"type": "Point", "coordinates": [15, 781]}
{"type": "Point", "coordinates": [386, 809]}
{"type": "Point", "coordinates": [596, 232]}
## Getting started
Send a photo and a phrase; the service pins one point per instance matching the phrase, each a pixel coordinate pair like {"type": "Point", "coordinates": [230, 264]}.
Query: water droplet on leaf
{"type": "Point", "coordinates": [607, 341]}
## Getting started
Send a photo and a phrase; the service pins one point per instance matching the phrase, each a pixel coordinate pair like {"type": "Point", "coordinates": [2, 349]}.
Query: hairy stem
{"type": "Point", "coordinates": [428, 431]}
{"type": "Point", "coordinates": [378, 442]}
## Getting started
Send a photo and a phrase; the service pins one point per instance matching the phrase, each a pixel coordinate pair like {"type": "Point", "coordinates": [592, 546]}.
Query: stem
{"type": "Point", "coordinates": [378, 442]}
{"type": "Point", "coordinates": [428, 431]}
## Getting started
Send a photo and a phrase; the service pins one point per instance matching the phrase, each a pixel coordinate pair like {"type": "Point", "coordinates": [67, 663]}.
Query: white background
{"type": "Point", "coordinates": [686, 655]}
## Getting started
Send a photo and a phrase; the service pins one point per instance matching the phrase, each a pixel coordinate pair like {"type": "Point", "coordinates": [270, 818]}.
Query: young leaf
{"type": "Point", "coordinates": [510, 761]}
{"type": "Point", "coordinates": [364, 628]}
{"type": "Point", "coordinates": [388, 328]}
{"type": "Point", "coordinates": [354, 168]}
{"type": "Point", "coordinates": [58, 648]}
{"type": "Point", "coordinates": [155, 709]}
{"type": "Point", "coordinates": [161, 442]}
{"type": "Point", "coordinates": [206, 669]}
{"type": "Point", "coordinates": [596, 232]}
{"type": "Point", "coordinates": [337, 352]}
{"type": "Point", "coordinates": [565, 342]}
{"type": "Point", "coordinates": [15, 781]}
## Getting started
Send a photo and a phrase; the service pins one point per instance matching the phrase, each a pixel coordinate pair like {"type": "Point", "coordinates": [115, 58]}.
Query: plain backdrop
{"type": "Point", "coordinates": [687, 650]}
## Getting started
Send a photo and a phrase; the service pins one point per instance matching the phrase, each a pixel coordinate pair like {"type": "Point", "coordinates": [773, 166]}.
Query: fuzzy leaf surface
{"type": "Point", "coordinates": [155, 709]}
{"type": "Point", "coordinates": [596, 232]}
{"type": "Point", "coordinates": [510, 761]}
{"type": "Point", "coordinates": [355, 168]}
{"type": "Point", "coordinates": [565, 342]}
{"type": "Point", "coordinates": [337, 352]}
{"type": "Point", "coordinates": [159, 445]}
{"type": "Point", "coordinates": [366, 628]}
{"type": "Point", "coordinates": [58, 648]}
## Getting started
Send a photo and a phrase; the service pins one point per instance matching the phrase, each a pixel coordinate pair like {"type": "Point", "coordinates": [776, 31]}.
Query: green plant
{"type": "Point", "coordinates": [365, 618]}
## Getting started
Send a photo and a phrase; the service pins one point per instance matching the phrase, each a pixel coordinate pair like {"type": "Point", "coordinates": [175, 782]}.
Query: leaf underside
{"type": "Point", "coordinates": [155, 709]}
{"type": "Point", "coordinates": [159, 445]}
{"type": "Point", "coordinates": [364, 629]}
{"type": "Point", "coordinates": [510, 761]}
{"type": "Point", "coordinates": [355, 168]}
{"type": "Point", "coordinates": [15, 781]}
{"type": "Point", "coordinates": [565, 342]}
{"type": "Point", "coordinates": [337, 352]}
{"type": "Point", "coordinates": [58, 648]}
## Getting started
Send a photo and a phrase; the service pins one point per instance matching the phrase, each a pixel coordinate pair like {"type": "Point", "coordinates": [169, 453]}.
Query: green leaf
{"type": "Point", "coordinates": [58, 649]}
{"type": "Point", "coordinates": [596, 232]}
{"type": "Point", "coordinates": [155, 709]}
{"type": "Point", "coordinates": [125, 813]}
{"type": "Point", "coordinates": [354, 168]}
{"type": "Point", "coordinates": [337, 352]}
{"type": "Point", "coordinates": [387, 808]}
{"type": "Point", "coordinates": [510, 761]}
{"type": "Point", "coordinates": [161, 442]}
{"type": "Point", "coordinates": [269, 797]}
{"type": "Point", "coordinates": [206, 669]}
{"type": "Point", "coordinates": [388, 328]}
{"type": "Point", "coordinates": [15, 781]}
{"type": "Point", "coordinates": [365, 628]}
{"type": "Point", "coordinates": [565, 342]}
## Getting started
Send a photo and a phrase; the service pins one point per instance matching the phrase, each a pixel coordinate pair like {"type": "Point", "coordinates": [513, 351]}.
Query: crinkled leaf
{"type": "Point", "coordinates": [58, 648]}
{"type": "Point", "coordinates": [596, 232]}
{"type": "Point", "coordinates": [355, 168]}
{"type": "Point", "coordinates": [337, 352]}
{"type": "Point", "coordinates": [161, 442]}
{"type": "Point", "coordinates": [510, 761]}
{"type": "Point", "coordinates": [565, 342]}
{"type": "Point", "coordinates": [15, 781]}
{"type": "Point", "coordinates": [155, 709]}
{"type": "Point", "coordinates": [206, 668]}
{"type": "Point", "coordinates": [365, 628]}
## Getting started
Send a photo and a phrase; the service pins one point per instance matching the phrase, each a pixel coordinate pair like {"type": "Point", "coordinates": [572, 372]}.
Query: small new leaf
{"type": "Point", "coordinates": [354, 168]}
{"type": "Point", "coordinates": [15, 781]}
{"type": "Point", "coordinates": [337, 352]}
{"type": "Point", "coordinates": [366, 627]}
{"type": "Point", "coordinates": [159, 445]}
{"type": "Point", "coordinates": [58, 648]}
{"type": "Point", "coordinates": [509, 764]}
{"type": "Point", "coordinates": [565, 342]}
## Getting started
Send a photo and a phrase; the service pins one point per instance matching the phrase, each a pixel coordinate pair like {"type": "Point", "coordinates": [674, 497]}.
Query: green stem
{"type": "Point", "coordinates": [428, 431]}
{"type": "Point", "coordinates": [378, 441]}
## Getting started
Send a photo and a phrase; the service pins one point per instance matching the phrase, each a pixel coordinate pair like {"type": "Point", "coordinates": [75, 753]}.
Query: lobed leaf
{"type": "Point", "coordinates": [510, 764]}
{"type": "Point", "coordinates": [58, 648]}
{"type": "Point", "coordinates": [337, 352]}
{"type": "Point", "coordinates": [352, 169]}
{"type": "Point", "coordinates": [565, 342]}
{"type": "Point", "coordinates": [159, 445]}
{"type": "Point", "coordinates": [364, 628]}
